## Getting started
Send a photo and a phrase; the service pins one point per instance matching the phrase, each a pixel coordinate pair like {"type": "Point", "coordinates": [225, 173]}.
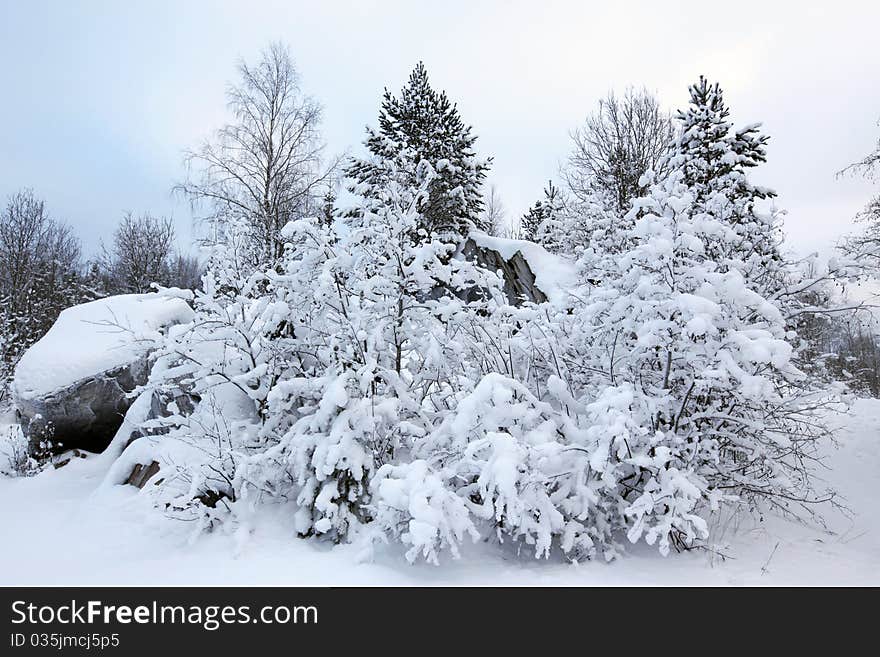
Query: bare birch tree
{"type": "Point", "coordinates": [625, 137]}
{"type": "Point", "coordinates": [265, 167]}
{"type": "Point", "coordinates": [142, 253]}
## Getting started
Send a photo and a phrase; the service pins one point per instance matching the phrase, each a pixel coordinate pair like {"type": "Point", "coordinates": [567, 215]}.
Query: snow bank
{"type": "Point", "coordinates": [554, 275]}
{"type": "Point", "coordinates": [93, 338]}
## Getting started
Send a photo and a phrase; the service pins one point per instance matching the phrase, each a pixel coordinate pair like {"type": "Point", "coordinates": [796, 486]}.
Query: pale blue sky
{"type": "Point", "coordinates": [100, 98]}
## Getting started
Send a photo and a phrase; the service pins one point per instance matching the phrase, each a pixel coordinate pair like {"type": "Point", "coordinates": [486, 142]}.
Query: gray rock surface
{"type": "Point", "coordinates": [519, 279]}
{"type": "Point", "coordinates": [87, 413]}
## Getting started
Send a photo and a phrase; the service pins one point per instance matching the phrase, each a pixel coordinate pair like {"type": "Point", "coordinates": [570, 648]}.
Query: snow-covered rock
{"type": "Point", "coordinates": [78, 376]}
{"type": "Point", "coordinates": [529, 271]}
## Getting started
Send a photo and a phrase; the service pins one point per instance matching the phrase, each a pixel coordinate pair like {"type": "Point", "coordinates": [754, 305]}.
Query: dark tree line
{"type": "Point", "coordinates": [143, 253]}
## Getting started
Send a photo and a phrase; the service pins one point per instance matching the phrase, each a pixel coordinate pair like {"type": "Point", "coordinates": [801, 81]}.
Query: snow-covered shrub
{"type": "Point", "coordinates": [325, 458]}
{"type": "Point", "coordinates": [705, 372]}
{"type": "Point", "coordinates": [502, 444]}
{"type": "Point", "coordinates": [518, 466]}
{"type": "Point", "coordinates": [416, 505]}
{"type": "Point", "coordinates": [377, 381]}
{"type": "Point", "coordinates": [15, 457]}
{"type": "Point", "coordinates": [225, 360]}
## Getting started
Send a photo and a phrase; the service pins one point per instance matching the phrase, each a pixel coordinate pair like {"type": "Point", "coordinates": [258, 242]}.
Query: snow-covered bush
{"type": "Point", "coordinates": [416, 505]}
{"type": "Point", "coordinates": [385, 356]}
{"type": "Point", "coordinates": [380, 383]}
{"type": "Point", "coordinates": [702, 375]}
{"type": "Point", "coordinates": [523, 467]}
{"type": "Point", "coordinates": [15, 457]}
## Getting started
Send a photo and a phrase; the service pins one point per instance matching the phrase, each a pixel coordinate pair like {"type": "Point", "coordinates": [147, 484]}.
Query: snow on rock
{"type": "Point", "coordinates": [551, 274]}
{"type": "Point", "coordinates": [92, 338]}
{"type": "Point", "coordinates": [78, 375]}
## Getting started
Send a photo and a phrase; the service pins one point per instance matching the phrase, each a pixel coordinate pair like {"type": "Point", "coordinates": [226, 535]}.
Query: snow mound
{"type": "Point", "coordinates": [554, 275]}
{"type": "Point", "coordinates": [93, 338]}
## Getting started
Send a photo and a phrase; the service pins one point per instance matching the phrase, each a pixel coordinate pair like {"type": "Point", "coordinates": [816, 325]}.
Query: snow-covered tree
{"type": "Point", "coordinates": [531, 221]}
{"type": "Point", "coordinates": [549, 224]}
{"type": "Point", "coordinates": [39, 276]}
{"type": "Point", "coordinates": [335, 362]}
{"type": "Point", "coordinates": [380, 382]}
{"type": "Point", "coordinates": [424, 125]}
{"type": "Point", "coordinates": [863, 248]}
{"type": "Point", "coordinates": [397, 325]}
{"type": "Point", "coordinates": [701, 403]}
{"type": "Point", "coordinates": [715, 161]}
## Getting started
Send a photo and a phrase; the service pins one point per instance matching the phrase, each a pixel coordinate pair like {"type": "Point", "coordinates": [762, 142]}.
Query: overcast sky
{"type": "Point", "coordinates": [100, 98]}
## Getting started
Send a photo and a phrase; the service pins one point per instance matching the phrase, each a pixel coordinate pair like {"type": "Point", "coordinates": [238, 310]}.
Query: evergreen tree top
{"type": "Point", "coordinates": [422, 119]}
{"type": "Point", "coordinates": [422, 126]}
{"type": "Point", "coordinates": [708, 96]}
{"type": "Point", "coordinates": [704, 123]}
{"type": "Point", "coordinates": [710, 155]}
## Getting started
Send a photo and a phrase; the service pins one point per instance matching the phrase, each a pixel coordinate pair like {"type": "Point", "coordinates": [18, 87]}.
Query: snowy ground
{"type": "Point", "coordinates": [57, 531]}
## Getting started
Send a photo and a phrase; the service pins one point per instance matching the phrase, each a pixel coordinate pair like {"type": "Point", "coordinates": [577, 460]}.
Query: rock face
{"type": "Point", "coordinates": [87, 413]}
{"type": "Point", "coordinates": [72, 386]}
{"type": "Point", "coordinates": [519, 279]}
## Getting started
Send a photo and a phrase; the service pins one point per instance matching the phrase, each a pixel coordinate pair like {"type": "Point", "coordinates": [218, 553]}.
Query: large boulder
{"type": "Point", "coordinates": [73, 385]}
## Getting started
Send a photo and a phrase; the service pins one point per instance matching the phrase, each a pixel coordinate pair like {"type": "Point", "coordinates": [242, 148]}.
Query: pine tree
{"type": "Point", "coordinates": [423, 125]}
{"type": "Point", "coordinates": [557, 231]}
{"type": "Point", "coordinates": [549, 224]}
{"type": "Point", "coordinates": [327, 214]}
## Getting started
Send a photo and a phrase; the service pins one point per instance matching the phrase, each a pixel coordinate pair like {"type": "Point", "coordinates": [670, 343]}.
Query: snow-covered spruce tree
{"type": "Point", "coordinates": [600, 236]}
{"type": "Point", "coordinates": [714, 161]}
{"type": "Point", "coordinates": [528, 224]}
{"type": "Point", "coordinates": [424, 125]}
{"type": "Point", "coordinates": [693, 400]}
{"type": "Point", "coordinates": [566, 224]}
